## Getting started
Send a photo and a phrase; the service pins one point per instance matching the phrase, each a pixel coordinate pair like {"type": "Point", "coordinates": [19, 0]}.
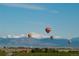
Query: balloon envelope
{"type": "Point", "coordinates": [48, 29]}
{"type": "Point", "coordinates": [29, 35]}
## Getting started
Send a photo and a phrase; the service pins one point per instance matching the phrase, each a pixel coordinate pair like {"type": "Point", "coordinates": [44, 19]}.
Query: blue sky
{"type": "Point", "coordinates": [23, 18]}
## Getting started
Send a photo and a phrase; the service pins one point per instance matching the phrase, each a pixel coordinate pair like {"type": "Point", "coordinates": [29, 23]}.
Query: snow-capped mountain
{"type": "Point", "coordinates": [14, 36]}
{"type": "Point", "coordinates": [39, 36]}
{"type": "Point", "coordinates": [33, 35]}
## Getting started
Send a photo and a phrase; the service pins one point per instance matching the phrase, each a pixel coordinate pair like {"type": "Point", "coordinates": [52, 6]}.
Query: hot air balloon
{"type": "Point", "coordinates": [29, 35]}
{"type": "Point", "coordinates": [51, 37]}
{"type": "Point", "coordinates": [48, 29]}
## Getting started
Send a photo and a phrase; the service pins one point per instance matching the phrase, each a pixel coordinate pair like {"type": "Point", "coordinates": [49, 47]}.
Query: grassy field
{"type": "Point", "coordinates": [2, 53]}
{"type": "Point", "coordinates": [54, 53]}
{"type": "Point", "coordinates": [39, 52]}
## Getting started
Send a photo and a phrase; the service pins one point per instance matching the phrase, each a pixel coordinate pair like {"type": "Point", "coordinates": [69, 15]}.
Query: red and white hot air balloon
{"type": "Point", "coordinates": [48, 29]}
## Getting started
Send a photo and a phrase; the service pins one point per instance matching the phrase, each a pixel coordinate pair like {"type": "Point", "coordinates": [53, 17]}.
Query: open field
{"type": "Point", "coordinates": [39, 52]}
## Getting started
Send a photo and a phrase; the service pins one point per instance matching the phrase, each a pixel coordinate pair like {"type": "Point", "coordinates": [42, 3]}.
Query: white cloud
{"type": "Point", "coordinates": [27, 6]}
{"type": "Point", "coordinates": [54, 11]}
{"type": "Point", "coordinates": [30, 6]}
